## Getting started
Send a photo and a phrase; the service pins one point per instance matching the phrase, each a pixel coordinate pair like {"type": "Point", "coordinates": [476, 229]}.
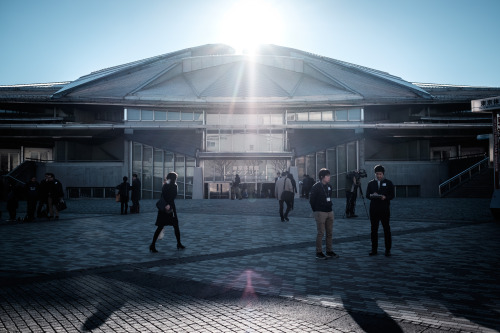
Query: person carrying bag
{"type": "Point", "coordinates": [167, 213]}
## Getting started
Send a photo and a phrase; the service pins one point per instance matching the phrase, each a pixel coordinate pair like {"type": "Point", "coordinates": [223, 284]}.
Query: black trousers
{"type": "Point", "coordinates": [375, 219]}
{"type": "Point", "coordinates": [288, 208]}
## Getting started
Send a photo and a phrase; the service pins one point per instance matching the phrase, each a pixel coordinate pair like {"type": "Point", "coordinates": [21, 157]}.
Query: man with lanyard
{"type": "Point", "coordinates": [321, 204]}
{"type": "Point", "coordinates": [380, 192]}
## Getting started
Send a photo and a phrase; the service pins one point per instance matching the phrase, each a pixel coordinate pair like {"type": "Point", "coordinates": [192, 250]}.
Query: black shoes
{"type": "Point", "coordinates": [374, 253]}
{"type": "Point", "coordinates": [180, 246]}
{"type": "Point", "coordinates": [286, 219]}
{"type": "Point", "coordinates": [320, 255]}
{"type": "Point", "coordinates": [329, 254]}
{"type": "Point", "coordinates": [152, 249]}
{"type": "Point", "coordinates": [332, 254]}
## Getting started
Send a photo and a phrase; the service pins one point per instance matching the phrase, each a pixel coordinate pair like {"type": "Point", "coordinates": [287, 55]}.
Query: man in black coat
{"type": "Point", "coordinates": [380, 192]}
{"type": "Point", "coordinates": [136, 194]}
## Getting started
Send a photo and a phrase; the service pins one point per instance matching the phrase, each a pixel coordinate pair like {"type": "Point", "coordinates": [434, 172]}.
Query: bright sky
{"type": "Point", "coordinates": [430, 41]}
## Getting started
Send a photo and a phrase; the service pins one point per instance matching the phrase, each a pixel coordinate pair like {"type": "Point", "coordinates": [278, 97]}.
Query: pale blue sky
{"type": "Point", "coordinates": [430, 41]}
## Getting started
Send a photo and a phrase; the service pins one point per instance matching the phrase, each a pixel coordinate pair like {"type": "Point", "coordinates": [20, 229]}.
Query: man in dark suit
{"type": "Point", "coordinates": [380, 192]}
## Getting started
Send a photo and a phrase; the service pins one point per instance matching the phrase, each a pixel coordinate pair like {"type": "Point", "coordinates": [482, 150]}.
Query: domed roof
{"type": "Point", "coordinates": [215, 74]}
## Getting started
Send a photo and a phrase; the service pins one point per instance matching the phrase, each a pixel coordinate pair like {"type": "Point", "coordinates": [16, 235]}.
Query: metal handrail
{"type": "Point", "coordinates": [466, 175]}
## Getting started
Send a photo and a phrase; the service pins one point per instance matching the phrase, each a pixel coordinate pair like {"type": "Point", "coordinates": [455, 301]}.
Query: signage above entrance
{"type": "Point", "coordinates": [486, 104]}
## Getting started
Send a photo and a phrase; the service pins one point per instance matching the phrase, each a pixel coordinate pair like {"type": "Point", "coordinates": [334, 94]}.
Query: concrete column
{"type": "Point", "coordinates": [198, 183]}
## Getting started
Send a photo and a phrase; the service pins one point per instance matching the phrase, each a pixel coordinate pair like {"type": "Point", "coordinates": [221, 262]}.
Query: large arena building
{"type": "Point", "coordinates": [209, 114]}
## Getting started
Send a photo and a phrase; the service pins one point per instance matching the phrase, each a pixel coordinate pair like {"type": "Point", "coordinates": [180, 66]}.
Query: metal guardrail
{"type": "Point", "coordinates": [464, 176]}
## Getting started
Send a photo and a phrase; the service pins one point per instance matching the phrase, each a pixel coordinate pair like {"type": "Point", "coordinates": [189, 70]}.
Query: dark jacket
{"type": "Point", "coordinates": [43, 190]}
{"type": "Point", "coordinates": [32, 190]}
{"type": "Point", "coordinates": [318, 197]}
{"type": "Point", "coordinates": [169, 193]}
{"type": "Point", "coordinates": [55, 189]}
{"type": "Point", "coordinates": [386, 188]}
{"type": "Point", "coordinates": [123, 189]}
{"type": "Point", "coordinates": [136, 190]}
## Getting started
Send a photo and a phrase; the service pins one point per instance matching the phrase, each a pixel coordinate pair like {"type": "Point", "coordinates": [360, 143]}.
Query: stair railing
{"type": "Point", "coordinates": [464, 176]}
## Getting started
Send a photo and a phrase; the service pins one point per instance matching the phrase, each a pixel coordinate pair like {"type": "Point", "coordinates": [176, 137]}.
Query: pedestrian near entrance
{"type": "Point", "coordinates": [168, 214]}
{"type": "Point", "coordinates": [123, 190]}
{"type": "Point", "coordinates": [322, 207]}
{"type": "Point", "coordinates": [43, 197]}
{"type": "Point", "coordinates": [55, 194]}
{"type": "Point", "coordinates": [31, 199]}
{"type": "Point", "coordinates": [283, 185]}
{"type": "Point", "coordinates": [380, 192]}
{"type": "Point", "coordinates": [236, 187]}
{"type": "Point", "coordinates": [136, 194]}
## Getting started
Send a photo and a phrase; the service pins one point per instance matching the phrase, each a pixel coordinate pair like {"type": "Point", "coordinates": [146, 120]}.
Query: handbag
{"type": "Point", "coordinates": [61, 205]}
{"type": "Point", "coordinates": [286, 195]}
{"type": "Point", "coordinates": [161, 203]}
{"type": "Point", "coordinates": [171, 218]}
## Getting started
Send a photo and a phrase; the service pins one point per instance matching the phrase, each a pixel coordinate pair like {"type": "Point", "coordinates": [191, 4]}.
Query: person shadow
{"type": "Point", "coordinates": [378, 321]}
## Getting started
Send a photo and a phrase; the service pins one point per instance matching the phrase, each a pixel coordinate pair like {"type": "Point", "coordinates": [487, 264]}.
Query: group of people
{"type": "Point", "coordinates": [380, 192]}
{"type": "Point", "coordinates": [48, 194]}
{"type": "Point", "coordinates": [123, 190]}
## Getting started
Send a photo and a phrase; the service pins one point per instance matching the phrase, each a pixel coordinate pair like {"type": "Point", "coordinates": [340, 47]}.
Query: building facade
{"type": "Point", "coordinates": [209, 114]}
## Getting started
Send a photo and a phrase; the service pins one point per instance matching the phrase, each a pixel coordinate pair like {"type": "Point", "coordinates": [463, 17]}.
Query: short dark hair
{"type": "Point", "coordinates": [323, 172]}
{"type": "Point", "coordinates": [172, 175]}
{"type": "Point", "coordinates": [125, 178]}
{"type": "Point", "coordinates": [379, 168]}
{"type": "Point", "coordinates": [134, 175]}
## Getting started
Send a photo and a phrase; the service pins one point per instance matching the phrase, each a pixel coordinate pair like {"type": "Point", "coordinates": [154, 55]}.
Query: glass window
{"type": "Point", "coordinates": [327, 115]}
{"type": "Point", "coordinates": [186, 116]}
{"type": "Point", "coordinates": [276, 119]}
{"type": "Point", "coordinates": [213, 143]}
{"type": "Point", "coordinates": [133, 114]}
{"type": "Point", "coordinates": [355, 114]}
{"type": "Point", "coordinates": [314, 116]}
{"type": "Point", "coordinates": [146, 115]}
{"type": "Point", "coordinates": [341, 115]}
{"type": "Point", "coordinates": [352, 157]}
{"type": "Point", "coordinates": [168, 162]}
{"type": "Point", "coordinates": [158, 170]}
{"type": "Point", "coordinates": [197, 116]}
{"type": "Point", "coordinates": [225, 141]}
{"type": "Point", "coordinates": [147, 168]}
{"type": "Point", "coordinates": [302, 116]}
{"type": "Point", "coordinates": [137, 158]}
{"type": "Point", "coordinates": [160, 115]}
{"type": "Point", "coordinates": [291, 117]}
{"type": "Point", "coordinates": [174, 115]}
{"type": "Point", "coordinates": [342, 160]}
{"type": "Point", "coordinates": [213, 119]}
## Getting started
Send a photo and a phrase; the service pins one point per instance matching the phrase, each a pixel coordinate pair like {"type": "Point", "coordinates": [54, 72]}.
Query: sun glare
{"type": "Point", "coordinates": [250, 23]}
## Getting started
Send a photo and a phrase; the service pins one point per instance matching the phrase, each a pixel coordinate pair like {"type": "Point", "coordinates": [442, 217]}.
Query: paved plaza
{"type": "Point", "coordinates": [243, 270]}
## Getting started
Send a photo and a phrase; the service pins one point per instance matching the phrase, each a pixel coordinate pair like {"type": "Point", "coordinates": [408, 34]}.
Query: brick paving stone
{"type": "Point", "coordinates": [92, 270]}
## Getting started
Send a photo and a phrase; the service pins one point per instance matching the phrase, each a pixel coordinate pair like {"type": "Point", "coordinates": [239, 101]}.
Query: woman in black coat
{"type": "Point", "coordinates": [168, 215]}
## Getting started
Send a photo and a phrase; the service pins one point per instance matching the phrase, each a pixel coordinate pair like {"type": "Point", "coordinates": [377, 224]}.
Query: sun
{"type": "Point", "coordinates": [250, 23]}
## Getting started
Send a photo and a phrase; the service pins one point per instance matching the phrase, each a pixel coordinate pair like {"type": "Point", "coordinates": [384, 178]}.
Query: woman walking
{"type": "Point", "coordinates": [168, 215]}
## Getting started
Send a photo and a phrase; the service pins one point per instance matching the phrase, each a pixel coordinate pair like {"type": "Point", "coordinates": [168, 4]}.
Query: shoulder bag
{"type": "Point", "coordinates": [160, 204]}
